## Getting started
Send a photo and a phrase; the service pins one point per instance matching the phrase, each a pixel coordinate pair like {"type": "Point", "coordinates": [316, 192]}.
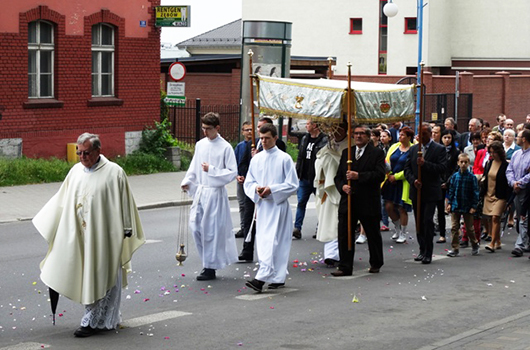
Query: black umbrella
{"type": "Point", "coordinates": [54, 299]}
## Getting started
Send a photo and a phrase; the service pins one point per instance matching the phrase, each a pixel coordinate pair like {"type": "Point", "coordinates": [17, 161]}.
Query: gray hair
{"type": "Point", "coordinates": [509, 131]}
{"type": "Point", "coordinates": [92, 138]}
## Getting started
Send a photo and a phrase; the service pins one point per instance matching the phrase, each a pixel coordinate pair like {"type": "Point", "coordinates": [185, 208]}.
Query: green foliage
{"type": "Point", "coordinates": [156, 140]}
{"type": "Point", "coordinates": [23, 171]}
{"type": "Point", "coordinates": [139, 163]}
{"type": "Point", "coordinates": [292, 150]}
{"type": "Point", "coordinates": [164, 109]}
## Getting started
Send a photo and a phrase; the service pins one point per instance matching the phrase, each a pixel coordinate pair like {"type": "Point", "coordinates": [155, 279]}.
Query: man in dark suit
{"type": "Point", "coordinates": [247, 253]}
{"type": "Point", "coordinates": [366, 174]}
{"type": "Point", "coordinates": [432, 163]}
{"type": "Point", "coordinates": [474, 126]}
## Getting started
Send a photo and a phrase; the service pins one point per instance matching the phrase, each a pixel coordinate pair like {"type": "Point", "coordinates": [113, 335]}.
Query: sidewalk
{"type": "Point", "coordinates": [19, 203]}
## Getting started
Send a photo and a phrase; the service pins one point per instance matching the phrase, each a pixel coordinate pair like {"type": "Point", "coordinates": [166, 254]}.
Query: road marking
{"type": "Point", "coordinates": [149, 241]}
{"type": "Point", "coordinates": [148, 319]}
{"type": "Point", "coordinates": [266, 294]}
{"type": "Point", "coordinates": [27, 346]}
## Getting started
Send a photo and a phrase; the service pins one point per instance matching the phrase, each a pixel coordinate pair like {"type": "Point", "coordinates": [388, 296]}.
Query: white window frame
{"type": "Point", "coordinates": [98, 48]}
{"type": "Point", "coordinates": [38, 48]}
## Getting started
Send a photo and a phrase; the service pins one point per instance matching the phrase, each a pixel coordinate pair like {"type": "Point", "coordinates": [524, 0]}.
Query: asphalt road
{"type": "Point", "coordinates": [406, 306]}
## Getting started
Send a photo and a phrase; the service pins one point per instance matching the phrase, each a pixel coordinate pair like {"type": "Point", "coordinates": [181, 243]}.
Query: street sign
{"type": "Point", "coordinates": [175, 94]}
{"type": "Point", "coordinates": [177, 71]}
{"type": "Point", "coordinates": [172, 16]}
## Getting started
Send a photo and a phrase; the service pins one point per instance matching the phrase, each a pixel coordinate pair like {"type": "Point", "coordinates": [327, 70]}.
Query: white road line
{"type": "Point", "coordinates": [266, 294]}
{"type": "Point", "coordinates": [354, 276]}
{"type": "Point", "coordinates": [150, 241]}
{"type": "Point", "coordinates": [27, 346]}
{"type": "Point", "coordinates": [148, 319]}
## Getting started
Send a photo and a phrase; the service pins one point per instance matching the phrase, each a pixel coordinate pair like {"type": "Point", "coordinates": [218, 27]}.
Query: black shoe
{"type": "Point", "coordinates": [246, 257]}
{"type": "Point", "coordinates": [206, 275]}
{"type": "Point", "coordinates": [255, 284]}
{"type": "Point", "coordinates": [315, 236]}
{"type": "Point", "coordinates": [426, 260]}
{"type": "Point", "coordinates": [297, 233]}
{"type": "Point", "coordinates": [331, 262]}
{"type": "Point", "coordinates": [276, 285]}
{"type": "Point", "coordinates": [83, 332]}
{"type": "Point", "coordinates": [483, 235]}
{"type": "Point", "coordinates": [464, 244]}
{"type": "Point", "coordinates": [488, 239]}
{"type": "Point", "coordinates": [340, 273]}
{"type": "Point", "coordinates": [240, 234]}
{"type": "Point", "coordinates": [419, 257]}
{"type": "Point", "coordinates": [517, 252]}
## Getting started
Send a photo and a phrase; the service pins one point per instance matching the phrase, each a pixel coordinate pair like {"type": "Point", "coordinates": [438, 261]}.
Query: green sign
{"type": "Point", "coordinates": [172, 16]}
{"type": "Point", "coordinates": [175, 94]}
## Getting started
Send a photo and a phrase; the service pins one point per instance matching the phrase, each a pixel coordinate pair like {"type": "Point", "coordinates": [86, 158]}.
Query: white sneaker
{"type": "Point", "coordinates": [361, 239]}
{"type": "Point", "coordinates": [395, 235]}
{"type": "Point", "coordinates": [402, 238]}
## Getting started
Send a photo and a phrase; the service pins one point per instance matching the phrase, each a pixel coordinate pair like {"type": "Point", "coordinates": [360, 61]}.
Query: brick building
{"type": "Point", "coordinates": [71, 67]}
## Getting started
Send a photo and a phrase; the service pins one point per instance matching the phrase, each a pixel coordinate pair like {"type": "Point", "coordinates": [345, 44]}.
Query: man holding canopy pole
{"type": "Point", "coordinates": [366, 174]}
{"type": "Point", "coordinates": [432, 162]}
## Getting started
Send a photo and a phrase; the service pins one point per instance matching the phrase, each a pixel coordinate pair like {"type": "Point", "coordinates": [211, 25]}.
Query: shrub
{"type": "Point", "coordinates": [156, 140]}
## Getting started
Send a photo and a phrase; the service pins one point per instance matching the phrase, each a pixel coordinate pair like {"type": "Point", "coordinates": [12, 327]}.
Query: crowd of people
{"type": "Point", "coordinates": [387, 177]}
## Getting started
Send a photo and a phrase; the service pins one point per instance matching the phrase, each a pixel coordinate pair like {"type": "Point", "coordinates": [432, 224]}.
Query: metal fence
{"type": "Point", "coordinates": [443, 106]}
{"type": "Point", "coordinates": [186, 120]}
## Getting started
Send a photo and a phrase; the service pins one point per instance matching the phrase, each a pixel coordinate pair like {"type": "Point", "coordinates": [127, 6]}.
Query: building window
{"type": "Point", "coordinates": [411, 26]}
{"type": "Point", "coordinates": [356, 25]}
{"type": "Point", "coordinates": [102, 60]}
{"type": "Point", "coordinates": [40, 59]}
{"type": "Point", "coordinates": [383, 35]}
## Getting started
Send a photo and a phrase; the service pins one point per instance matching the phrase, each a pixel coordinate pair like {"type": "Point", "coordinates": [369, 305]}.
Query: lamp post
{"type": "Point", "coordinates": [390, 10]}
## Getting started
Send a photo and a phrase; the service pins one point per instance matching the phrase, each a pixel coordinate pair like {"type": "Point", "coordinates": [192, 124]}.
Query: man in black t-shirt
{"type": "Point", "coordinates": [308, 148]}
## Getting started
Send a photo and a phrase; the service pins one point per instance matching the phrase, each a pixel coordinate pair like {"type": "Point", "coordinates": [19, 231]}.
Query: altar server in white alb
{"type": "Point", "coordinates": [213, 167]}
{"type": "Point", "coordinates": [327, 195]}
{"type": "Point", "coordinates": [92, 228]}
{"type": "Point", "coordinates": [270, 181]}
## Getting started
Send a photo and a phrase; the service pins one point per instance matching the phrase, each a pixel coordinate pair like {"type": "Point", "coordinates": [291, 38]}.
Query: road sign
{"type": "Point", "coordinates": [175, 94]}
{"type": "Point", "coordinates": [177, 71]}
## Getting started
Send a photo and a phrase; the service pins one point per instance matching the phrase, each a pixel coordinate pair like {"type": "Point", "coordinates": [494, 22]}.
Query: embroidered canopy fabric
{"type": "Point", "coordinates": [326, 100]}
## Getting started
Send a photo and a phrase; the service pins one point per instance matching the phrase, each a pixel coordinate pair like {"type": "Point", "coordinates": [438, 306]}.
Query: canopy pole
{"type": "Point", "coordinates": [251, 83]}
{"type": "Point", "coordinates": [349, 99]}
{"type": "Point", "coordinates": [330, 73]}
{"type": "Point", "coordinates": [420, 153]}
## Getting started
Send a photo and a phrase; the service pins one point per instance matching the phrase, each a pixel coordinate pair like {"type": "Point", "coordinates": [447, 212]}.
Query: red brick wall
{"type": "Point", "coordinates": [213, 88]}
{"type": "Point", "coordinates": [46, 131]}
{"type": "Point", "coordinates": [492, 94]}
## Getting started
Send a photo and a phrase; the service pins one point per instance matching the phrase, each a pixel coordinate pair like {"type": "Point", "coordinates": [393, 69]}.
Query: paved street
{"type": "Point", "coordinates": [466, 302]}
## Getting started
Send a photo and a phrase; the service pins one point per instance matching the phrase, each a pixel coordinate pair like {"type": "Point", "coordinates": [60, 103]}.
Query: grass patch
{"type": "Point", "coordinates": [23, 171]}
{"type": "Point", "coordinates": [139, 163]}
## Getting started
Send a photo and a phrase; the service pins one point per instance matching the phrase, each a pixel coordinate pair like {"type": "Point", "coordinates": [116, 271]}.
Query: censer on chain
{"type": "Point", "coordinates": [183, 229]}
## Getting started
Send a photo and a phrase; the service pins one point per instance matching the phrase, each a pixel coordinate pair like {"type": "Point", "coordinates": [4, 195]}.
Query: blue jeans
{"type": "Point", "coordinates": [305, 189]}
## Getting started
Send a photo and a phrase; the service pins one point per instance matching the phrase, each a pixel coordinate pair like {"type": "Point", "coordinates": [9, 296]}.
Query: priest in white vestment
{"type": "Point", "coordinates": [327, 195]}
{"type": "Point", "coordinates": [213, 167]}
{"type": "Point", "coordinates": [270, 181]}
{"type": "Point", "coordinates": [92, 228]}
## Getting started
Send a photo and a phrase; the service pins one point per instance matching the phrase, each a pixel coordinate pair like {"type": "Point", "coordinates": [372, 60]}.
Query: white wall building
{"type": "Point", "coordinates": [481, 36]}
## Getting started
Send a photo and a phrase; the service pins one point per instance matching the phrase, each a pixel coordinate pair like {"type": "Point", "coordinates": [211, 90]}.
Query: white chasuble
{"type": "Point", "coordinates": [84, 224]}
{"type": "Point", "coordinates": [327, 195]}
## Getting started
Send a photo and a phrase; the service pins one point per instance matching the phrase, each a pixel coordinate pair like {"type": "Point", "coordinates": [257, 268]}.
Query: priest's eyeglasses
{"type": "Point", "coordinates": [84, 153]}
